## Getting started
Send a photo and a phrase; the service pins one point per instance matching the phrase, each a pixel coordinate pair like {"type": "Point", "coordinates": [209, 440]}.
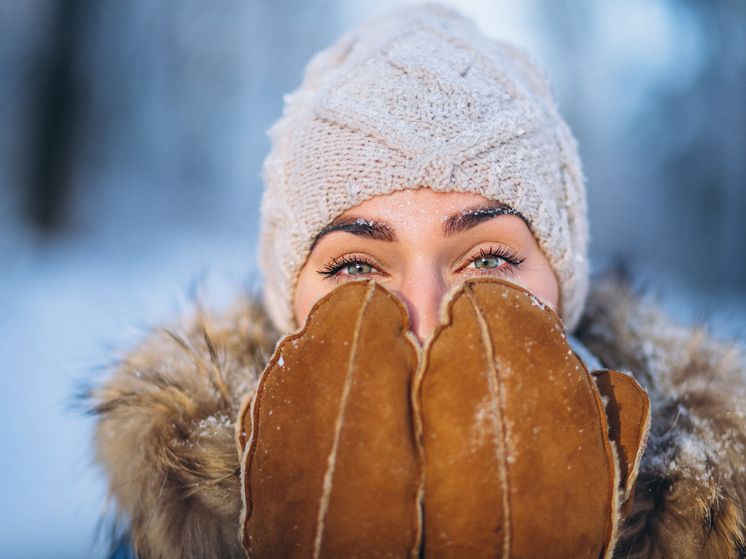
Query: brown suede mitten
{"type": "Point", "coordinates": [494, 442]}
{"type": "Point", "coordinates": [517, 456]}
{"type": "Point", "coordinates": [330, 467]}
{"type": "Point", "coordinates": [628, 418]}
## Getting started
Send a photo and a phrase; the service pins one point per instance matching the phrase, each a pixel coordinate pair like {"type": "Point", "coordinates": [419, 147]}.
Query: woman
{"type": "Point", "coordinates": [420, 154]}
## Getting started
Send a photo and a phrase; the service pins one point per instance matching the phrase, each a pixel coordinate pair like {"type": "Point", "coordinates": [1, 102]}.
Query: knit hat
{"type": "Point", "coordinates": [420, 98]}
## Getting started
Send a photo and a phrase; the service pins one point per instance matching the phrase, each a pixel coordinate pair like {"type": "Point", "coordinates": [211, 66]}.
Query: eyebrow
{"type": "Point", "coordinates": [452, 224]}
{"type": "Point", "coordinates": [468, 219]}
{"type": "Point", "coordinates": [359, 227]}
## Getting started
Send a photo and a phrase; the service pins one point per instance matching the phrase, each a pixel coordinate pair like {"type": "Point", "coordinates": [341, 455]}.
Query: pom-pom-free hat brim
{"type": "Point", "coordinates": [421, 99]}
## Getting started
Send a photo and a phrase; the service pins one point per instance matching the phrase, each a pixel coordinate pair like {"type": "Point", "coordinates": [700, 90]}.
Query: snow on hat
{"type": "Point", "coordinates": [420, 98]}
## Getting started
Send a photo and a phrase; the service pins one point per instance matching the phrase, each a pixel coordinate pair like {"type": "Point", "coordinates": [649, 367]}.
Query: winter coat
{"type": "Point", "coordinates": [166, 435]}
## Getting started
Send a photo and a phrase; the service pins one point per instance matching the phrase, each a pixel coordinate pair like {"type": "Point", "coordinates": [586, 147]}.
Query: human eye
{"type": "Point", "coordinates": [495, 259]}
{"type": "Point", "coordinates": [353, 266]}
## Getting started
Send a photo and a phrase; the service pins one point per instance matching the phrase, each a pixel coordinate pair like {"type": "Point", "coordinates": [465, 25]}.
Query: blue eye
{"type": "Point", "coordinates": [497, 258]}
{"type": "Point", "coordinates": [347, 266]}
{"type": "Point", "coordinates": [359, 268]}
{"type": "Point", "coordinates": [488, 262]}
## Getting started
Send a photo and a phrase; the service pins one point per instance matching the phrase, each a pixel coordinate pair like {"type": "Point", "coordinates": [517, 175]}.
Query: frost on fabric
{"type": "Point", "coordinates": [483, 426]}
{"type": "Point", "coordinates": [213, 425]}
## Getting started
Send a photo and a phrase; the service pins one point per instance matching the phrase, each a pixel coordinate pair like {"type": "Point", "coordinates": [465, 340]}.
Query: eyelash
{"type": "Point", "coordinates": [507, 254]}
{"type": "Point", "coordinates": [338, 264]}
{"type": "Point", "coordinates": [503, 253]}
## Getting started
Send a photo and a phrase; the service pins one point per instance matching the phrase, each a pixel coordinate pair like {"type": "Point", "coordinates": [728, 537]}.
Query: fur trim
{"type": "Point", "coordinates": [692, 478]}
{"type": "Point", "coordinates": [166, 438]}
{"type": "Point", "coordinates": [166, 430]}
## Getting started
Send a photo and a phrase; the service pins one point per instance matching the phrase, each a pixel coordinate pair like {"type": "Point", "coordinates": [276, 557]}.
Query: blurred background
{"type": "Point", "coordinates": [131, 143]}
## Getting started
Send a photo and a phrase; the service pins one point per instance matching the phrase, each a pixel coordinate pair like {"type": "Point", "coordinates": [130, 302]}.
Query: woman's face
{"type": "Point", "coordinates": [419, 244]}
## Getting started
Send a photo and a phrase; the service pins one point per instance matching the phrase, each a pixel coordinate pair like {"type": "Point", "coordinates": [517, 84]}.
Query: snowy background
{"type": "Point", "coordinates": [131, 141]}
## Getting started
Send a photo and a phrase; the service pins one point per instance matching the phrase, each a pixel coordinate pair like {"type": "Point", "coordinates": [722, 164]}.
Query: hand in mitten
{"type": "Point", "coordinates": [330, 468]}
{"type": "Point", "coordinates": [520, 458]}
{"type": "Point", "coordinates": [505, 428]}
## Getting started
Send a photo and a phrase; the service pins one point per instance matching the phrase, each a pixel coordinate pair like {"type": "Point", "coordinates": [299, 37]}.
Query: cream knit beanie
{"type": "Point", "coordinates": [420, 98]}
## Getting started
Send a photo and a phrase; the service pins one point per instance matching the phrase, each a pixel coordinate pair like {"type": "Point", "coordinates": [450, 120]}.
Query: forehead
{"type": "Point", "coordinates": [421, 203]}
{"type": "Point", "coordinates": [420, 215]}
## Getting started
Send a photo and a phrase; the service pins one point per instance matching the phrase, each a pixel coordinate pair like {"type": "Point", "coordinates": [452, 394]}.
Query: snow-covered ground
{"type": "Point", "coordinates": [63, 310]}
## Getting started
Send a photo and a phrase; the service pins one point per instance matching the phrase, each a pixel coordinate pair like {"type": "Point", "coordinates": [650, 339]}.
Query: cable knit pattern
{"type": "Point", "coordinates": [417, 99]}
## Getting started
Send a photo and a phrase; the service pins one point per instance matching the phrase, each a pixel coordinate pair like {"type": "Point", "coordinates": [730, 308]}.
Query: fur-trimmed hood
{"type": "Point", "coordinates": [166, 437]}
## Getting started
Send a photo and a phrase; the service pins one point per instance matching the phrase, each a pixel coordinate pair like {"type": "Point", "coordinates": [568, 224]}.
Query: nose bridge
{"type": "Point", "coordinates": [422, 289]}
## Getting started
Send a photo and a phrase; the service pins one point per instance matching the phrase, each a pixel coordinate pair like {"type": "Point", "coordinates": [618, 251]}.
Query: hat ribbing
{"type": "Point", "coordinates": [420, 98]}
